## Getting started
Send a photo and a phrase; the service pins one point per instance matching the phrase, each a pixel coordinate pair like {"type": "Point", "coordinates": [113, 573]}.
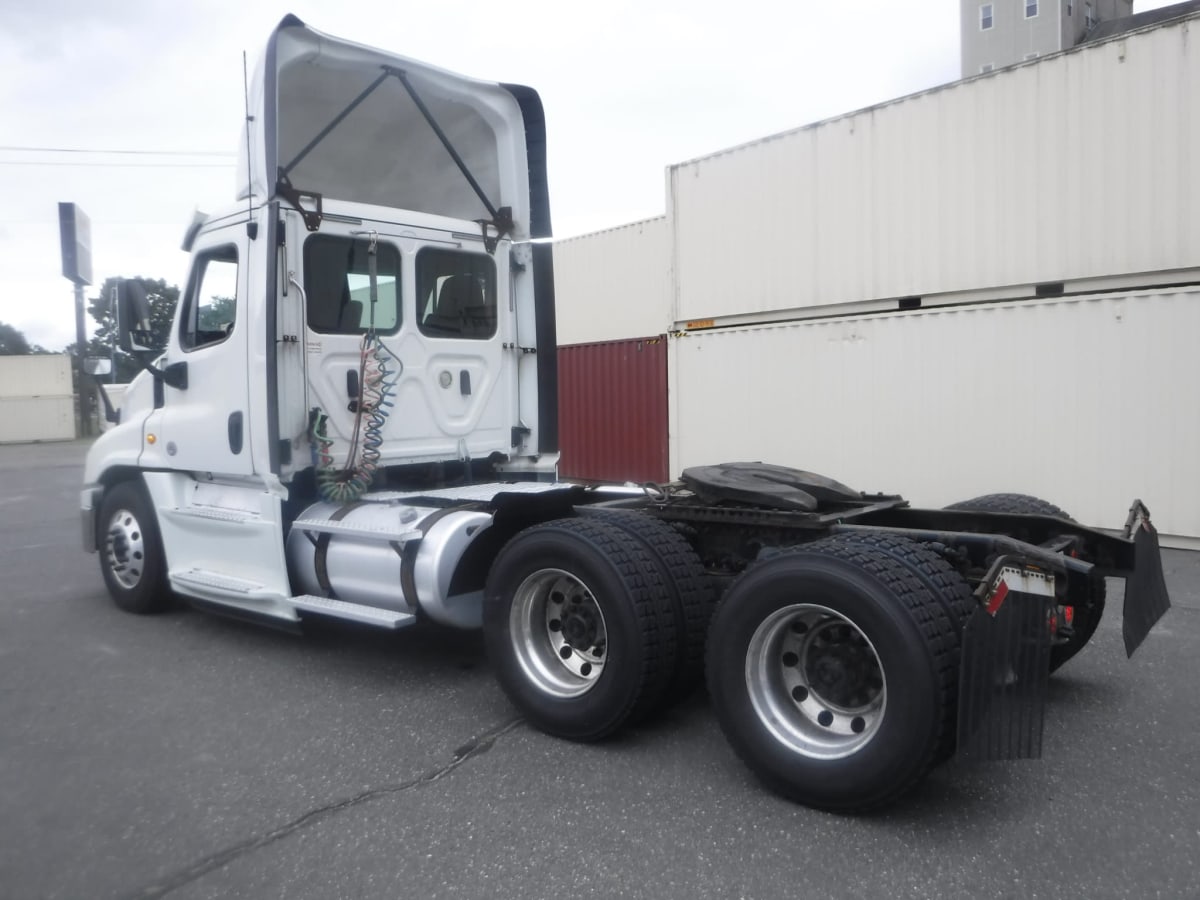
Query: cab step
{"type": "Point", "coordinates": [214, 513]}
{"type": "Point", "coordinates": [356, 529]}
{"type": "Point", "coordinates": [218, 586]}
{"type": "Point", "coordinates": [352, 612]}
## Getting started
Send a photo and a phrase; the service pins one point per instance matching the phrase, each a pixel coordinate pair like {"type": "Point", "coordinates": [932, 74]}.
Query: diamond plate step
{"type": "Point", "coordinates": [205, 578]}
{"type": "Point", "coordinates": [321, 526]}
{"type": "Point", "coordinates": [213, 512]}
{"type": "Point", "coordinates": [352, 612]}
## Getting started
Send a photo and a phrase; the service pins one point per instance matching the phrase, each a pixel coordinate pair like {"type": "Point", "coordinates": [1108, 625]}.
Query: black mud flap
{"type": "Point", "coordinates": [1146, 599]}
{"type": "Point", "coordinates": [1002, 683]}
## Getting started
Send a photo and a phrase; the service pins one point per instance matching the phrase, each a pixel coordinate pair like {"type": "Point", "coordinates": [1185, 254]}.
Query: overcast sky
{"type": "Point", "coordinates": [629, 88]}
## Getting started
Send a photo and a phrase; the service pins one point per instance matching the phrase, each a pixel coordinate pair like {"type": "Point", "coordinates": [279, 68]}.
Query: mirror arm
{"type": "Point", "coordinates": [111, 415]}
{"type": "Point", "coordinates": [175, 375]}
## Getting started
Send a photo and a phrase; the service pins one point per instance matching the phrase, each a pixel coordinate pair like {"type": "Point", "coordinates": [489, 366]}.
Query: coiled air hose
{"type": "Point", "coordinates": [376, 381]}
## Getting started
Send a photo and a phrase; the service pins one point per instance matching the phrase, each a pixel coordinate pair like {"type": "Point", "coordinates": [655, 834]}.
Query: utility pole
{"type": "Point", "coordinates": [75, 233]}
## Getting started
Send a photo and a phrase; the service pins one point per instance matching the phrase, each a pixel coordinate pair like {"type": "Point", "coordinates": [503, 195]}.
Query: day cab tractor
{"type": "Point", "coordinates": [355, 418]}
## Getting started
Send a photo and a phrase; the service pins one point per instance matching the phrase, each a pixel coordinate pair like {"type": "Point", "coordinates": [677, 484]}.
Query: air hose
{"type": "Point", "coordinates": [376, 382]}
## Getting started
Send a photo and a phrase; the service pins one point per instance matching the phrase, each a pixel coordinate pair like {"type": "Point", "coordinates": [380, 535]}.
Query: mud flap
{"type": "Point", "coordinates": [1146, 599]}
{"type": "Point", "coordinates": [1004, 670]}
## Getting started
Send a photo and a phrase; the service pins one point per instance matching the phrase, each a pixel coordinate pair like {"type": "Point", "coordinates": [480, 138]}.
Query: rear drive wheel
{"type": "Point", "coordinates": [579, 627]}
{"type": "Point", "coordinates": [1087, 608]}
{"type": "Point", "coordinates": [691, 594]}
{"type": "Point", "coordinates": [131, 555]}
{"type": "Point", "coordinates": [946, 585]}
{"type": "Point", "coordinates": [831, 673]}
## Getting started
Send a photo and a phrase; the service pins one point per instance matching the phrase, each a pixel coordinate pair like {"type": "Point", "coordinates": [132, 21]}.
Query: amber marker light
{"type": "Point", "coordinates": [150, 439]}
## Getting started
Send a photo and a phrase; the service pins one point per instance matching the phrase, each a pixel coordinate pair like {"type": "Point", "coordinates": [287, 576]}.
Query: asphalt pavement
{"type": "Point", "coordinates": [188, 756]}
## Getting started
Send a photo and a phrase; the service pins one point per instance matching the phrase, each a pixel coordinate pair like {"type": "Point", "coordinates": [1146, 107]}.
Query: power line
{"type": "Point", "coordinates": [129, 165]}
{"type": "Point", "coordinates": [133, 152]}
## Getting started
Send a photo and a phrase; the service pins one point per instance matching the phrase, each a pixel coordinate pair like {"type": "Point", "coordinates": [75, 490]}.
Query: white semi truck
{"type": "Point", "coordinates": [355, 418]}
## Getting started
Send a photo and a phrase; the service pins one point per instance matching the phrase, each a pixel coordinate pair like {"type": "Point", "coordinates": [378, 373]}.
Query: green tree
{"type": "Point", "coordinates": [14, 343]}
{"type": "Point", "coordinates": [162, 297]}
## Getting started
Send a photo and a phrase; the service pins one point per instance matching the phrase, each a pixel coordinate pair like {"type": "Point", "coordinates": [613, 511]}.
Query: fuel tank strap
{"type": "Point", "coordinates": [408, 554]}
{"type": "Point", "coordinates": [321, 550]}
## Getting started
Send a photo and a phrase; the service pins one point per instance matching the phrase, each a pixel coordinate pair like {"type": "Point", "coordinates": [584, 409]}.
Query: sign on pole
{"type": "Point", "coordinates": [75, 232]}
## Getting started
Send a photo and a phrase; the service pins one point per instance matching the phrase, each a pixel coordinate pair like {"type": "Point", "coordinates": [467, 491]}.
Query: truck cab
{"type": "Point", "coordinates": [374, 311]}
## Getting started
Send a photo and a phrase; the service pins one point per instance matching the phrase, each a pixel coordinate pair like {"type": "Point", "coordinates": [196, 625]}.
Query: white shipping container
{"type": "Point", "coordinates": [614, 284]}
{"type": "Point", "coordinates": [41, 375]}
{"type": "Point", "coordinates": [26, 419]}
{"type": "Point", "coordinates": [1074, 168]}
{"type": "Point", "coordinates": [1087, 402]}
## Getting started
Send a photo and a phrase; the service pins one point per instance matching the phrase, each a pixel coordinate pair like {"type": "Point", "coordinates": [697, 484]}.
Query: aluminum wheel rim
{"type": "Point", "coordinates": [558, 633]}
{"type": "Point", "coordinates": [124, 549]}
{"type": "Point", "coordinates": [815, 681]}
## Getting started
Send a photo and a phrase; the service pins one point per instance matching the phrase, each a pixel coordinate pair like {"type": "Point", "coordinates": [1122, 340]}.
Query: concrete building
{"type": "Point", "coordinates": [999, 33]}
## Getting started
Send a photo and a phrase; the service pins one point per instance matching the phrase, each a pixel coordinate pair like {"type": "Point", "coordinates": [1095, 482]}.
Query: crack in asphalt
{"type": "Point", "coordinates": [477, 746]}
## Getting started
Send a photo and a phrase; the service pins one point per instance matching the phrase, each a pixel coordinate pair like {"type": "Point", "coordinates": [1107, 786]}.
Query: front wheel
{"type": "Point", "coordinates": [131, 554]}
{"type": "Point", "coordinates": [831, 671]}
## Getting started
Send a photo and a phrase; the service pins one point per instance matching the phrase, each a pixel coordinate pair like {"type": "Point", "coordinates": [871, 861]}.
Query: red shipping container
{"type": "Point", "coordinates": [612, 410]}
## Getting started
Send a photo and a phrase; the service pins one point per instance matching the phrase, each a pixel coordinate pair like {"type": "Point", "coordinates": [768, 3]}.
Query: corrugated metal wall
{"type": "Point", "coordinates": [612, 410]}
{"type": "Point", "coordinates": [1088, 402]}
{"type": "Point", "coordinates": [37, 402]}
{"type": "Point", "coordinates": [613, 284]}
{"type": "Point", "coordinates": [1077, 166]}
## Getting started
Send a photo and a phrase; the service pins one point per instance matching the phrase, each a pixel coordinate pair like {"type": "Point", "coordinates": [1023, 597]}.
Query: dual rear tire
{"type": "Point", "coordinates": [832, 668]}
{"type": "Point", "coordinates": [593, 623]}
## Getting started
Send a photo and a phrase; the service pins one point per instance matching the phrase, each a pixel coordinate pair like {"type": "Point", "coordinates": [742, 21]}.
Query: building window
{"type": "Point", "coordinates": [1089, 18]}
{"type": "Point", "coordinates": [985, 68]}
{"type": "Point", "coordinates": [985, 17]}
{"type": "Point", "coordinates": [1031, 8]}
{"type": "Point", "coordinates": [1069, 7]}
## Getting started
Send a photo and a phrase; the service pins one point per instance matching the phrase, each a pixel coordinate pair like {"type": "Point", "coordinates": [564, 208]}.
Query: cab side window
{"type": "Point", "coordinates": [210, 307]}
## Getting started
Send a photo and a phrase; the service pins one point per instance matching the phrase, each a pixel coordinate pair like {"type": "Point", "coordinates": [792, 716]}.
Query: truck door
{"type": "Point", "coordinates": [205, 427]}
{"type": "Point", "coordinates": [442, 316]}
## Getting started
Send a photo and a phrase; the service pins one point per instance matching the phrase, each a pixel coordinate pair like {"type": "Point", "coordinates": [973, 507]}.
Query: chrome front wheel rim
{"type": "Point", "coordinates": [124, 549]}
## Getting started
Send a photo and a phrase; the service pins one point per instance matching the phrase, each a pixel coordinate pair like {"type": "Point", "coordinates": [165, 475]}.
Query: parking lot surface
{"type": "Point", "coordinates": [187, 756]}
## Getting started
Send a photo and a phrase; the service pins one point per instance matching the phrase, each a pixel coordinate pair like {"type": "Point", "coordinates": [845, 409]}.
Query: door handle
{"type": "Point", "coordinates": [352, 389]}
{"type": "Point", "coordinates": [235, 433]}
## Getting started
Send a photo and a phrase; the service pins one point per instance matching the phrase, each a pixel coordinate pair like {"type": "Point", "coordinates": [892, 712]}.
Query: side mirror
{"type": "Point", "coordinates": [133, 318]}
{"type": "Point", "coordinates": [97, 365]}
